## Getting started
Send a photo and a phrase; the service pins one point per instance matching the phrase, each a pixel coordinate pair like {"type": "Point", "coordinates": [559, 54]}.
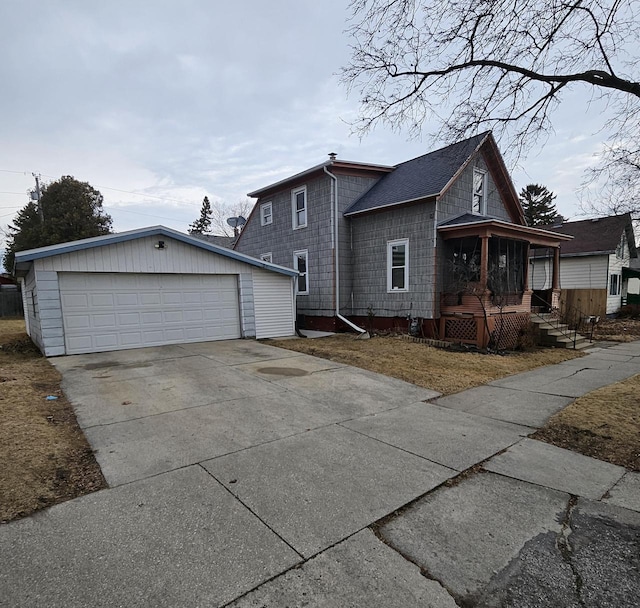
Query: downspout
{"type": "Point", "coordinates": [334, 217]}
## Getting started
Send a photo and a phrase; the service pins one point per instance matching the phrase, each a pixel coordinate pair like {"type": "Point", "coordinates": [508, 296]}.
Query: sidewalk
{"type": "Point", "coordinates": [423, 504]}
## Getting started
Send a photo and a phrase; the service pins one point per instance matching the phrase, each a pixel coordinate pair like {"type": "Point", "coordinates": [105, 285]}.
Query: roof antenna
{"type": "Point", "coordinates": [332, 156]}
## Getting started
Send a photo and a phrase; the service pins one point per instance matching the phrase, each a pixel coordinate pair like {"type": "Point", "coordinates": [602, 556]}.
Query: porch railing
{"type": "Point", "coordinates": [568, 320]}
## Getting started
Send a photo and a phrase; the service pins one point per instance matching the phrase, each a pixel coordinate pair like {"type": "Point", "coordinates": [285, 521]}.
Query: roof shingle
{"type": "Point", "coordinates": [598, 235]}
{"type": "Point", "coordinates": [418, 178]}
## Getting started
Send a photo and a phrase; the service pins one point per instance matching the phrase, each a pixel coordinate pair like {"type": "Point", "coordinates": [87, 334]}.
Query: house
{"type": "Point", "coordinates": [149, 287]}
{"type": "Point", "coordinates": [432, 241]}
{"type": "Point", "coordinates": [594, 265]}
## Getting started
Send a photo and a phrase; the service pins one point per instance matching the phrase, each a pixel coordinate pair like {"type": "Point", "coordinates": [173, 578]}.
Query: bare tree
{"type": "Point", "coordinates": [220, 212]}
{"type": "Point", "coordinates": [500, 64]}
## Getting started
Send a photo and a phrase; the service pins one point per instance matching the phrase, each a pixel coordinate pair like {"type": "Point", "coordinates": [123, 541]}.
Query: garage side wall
{"type": "Point", "coordinates": [274, 304]}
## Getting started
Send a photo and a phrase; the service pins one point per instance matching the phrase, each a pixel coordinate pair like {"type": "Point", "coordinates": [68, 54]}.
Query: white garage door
{"type": "Point", "coordinates": [104, 311]}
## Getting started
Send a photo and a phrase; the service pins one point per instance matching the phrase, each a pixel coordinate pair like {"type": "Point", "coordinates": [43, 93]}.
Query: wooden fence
{"type": "Point", "coordinates": [587, 301]}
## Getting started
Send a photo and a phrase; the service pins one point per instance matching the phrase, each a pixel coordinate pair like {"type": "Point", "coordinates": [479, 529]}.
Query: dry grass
{"type": "Point", "coordinates": [440, 370]}
{"type": "Point", "coordinates": [44, 454]}
{"type": "Point", "coordinates": [618, 330]}
{"type": "Point", "coordinates": [604, 424]}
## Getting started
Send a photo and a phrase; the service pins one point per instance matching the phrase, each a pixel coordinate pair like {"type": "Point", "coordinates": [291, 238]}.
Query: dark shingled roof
{"type": "Point", "coordinates": [599, 235]}
{"type": "Point", "coordinates": [421, 177]}
{"type": "Point", "coordinates": [467, 218]}
{"type": "Point", "coordinates": [221, 241]}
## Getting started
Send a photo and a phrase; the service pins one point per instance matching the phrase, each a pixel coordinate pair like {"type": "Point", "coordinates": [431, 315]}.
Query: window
{"type": "Point", "coordinates": [479, 192]}
{"type": "Point", "coordinates": [266, 214]}
{"type": "Point", "coordinates": [614, 285]}
{"type": "Point", "coordinates": [398, 265]}
{"type": "Point", "coordinates": [300, 264]}
{"type": "Point", "coordinates": [299, 207]}
{"type": "Point", "coordinates": [266, 257]}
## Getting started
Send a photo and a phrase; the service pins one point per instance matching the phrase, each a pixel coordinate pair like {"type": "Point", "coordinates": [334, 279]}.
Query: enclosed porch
{"type": "Point", "coordinates": [485, 297]}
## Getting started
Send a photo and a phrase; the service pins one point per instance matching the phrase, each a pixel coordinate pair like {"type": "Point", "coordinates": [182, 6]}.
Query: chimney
{"type": "Point", "coordinates": [332, 156]}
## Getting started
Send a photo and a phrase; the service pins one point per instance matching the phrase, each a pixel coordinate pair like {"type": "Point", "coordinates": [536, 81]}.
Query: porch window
{"type": "Point", "coordinates": [507, 261]}
{"type": "Point", "coordinates": [479, 204]}
{"type": "Point", "coordinates": [463, 266]}
{"type": "Point", "coordinates": [398, 265]}
{"type": "Point", "coordinates": [614, 285]}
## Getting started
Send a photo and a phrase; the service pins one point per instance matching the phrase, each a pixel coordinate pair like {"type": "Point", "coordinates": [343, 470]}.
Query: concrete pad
{"type": "Point", "coordinates": [568, 381]}
{"type": "Point", "coordinates": [360, 571]}
{"type": "Point", "coordinates": [595, 362]}
{"type": "Point", "coordinates": [626, 493]}
{"type": "Point", "coordinates": [317, 488]}
{"type": "Point", "coordinates": [98, 373]}
{"type": "Point", "coordinates": [175, 540]}
{"type": "Point", "coordinates": [121, 357]}
{"type": "Point", "coordinates": [139, 448]}
{"type": "Point", "coordinates": [115, 401]}
{"type": "Point", "coordinates": [509, 405]}
{"type": "Point", "coordinates": [454, 439]}
{"type": "Point", "coordinates": [626, 347]}
{"type": "Point", "coordinates": [291, 367]}
{"type": "Point", "coordinates": [553, 467]}
{"type": "Point", "coordinates": [237, 352]}
{"type": "Point", "coordinates": [463, 535]}
{"type": "Point", "coordinates": [356, 392]}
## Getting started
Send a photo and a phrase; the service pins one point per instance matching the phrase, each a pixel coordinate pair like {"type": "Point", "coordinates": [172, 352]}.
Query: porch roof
{"type": "Point", "coordinates": [475, 225]}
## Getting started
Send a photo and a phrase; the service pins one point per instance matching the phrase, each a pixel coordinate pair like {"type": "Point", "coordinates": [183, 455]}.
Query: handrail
{"type": "Point", "coordinates": [563, 315]}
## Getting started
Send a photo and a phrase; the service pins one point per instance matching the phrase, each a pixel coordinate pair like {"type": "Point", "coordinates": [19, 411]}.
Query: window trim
{"type": "Point", "coordinates": [294, 210]}
{"type": "Point", "coordinates": [263, 219]}
{"type": "Point", "coordinates": [483, 202]}
{"type": "Point", "coordinates": [390, 245]}
{"type": "Point", "coordinates": [296, 254]}
{"type": "Point", "coordinates": [264, 256]}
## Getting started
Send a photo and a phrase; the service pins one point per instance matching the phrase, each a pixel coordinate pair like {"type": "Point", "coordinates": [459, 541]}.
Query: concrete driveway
{"type": "Point", "coordinates": [231, 463]}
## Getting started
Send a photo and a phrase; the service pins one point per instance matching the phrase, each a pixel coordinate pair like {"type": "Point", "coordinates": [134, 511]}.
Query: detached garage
{"type": "Point", "coordinates": [149, 287]}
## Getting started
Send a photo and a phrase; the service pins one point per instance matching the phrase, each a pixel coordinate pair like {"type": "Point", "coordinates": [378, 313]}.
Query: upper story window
{"type": "Point", "coordinates": [398, 265]}
{"type": "Point", "coordinates": [266, 257]}
{"type": "Point", "coordinates": [300, 259]}
{"type": "Point", "coordinates": [266, 214]}
{"type": "Point", "coordinates": [479, 204]}
{"type": "Point", "coordinates": [299, 207]}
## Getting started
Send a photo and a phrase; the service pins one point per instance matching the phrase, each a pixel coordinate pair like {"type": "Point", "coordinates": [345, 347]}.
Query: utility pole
{"type": "Point", "coordinates": [40, 213]}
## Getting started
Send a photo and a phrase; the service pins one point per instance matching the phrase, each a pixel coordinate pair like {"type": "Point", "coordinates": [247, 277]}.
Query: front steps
{"type": "Point", "coordinates": [553, 333]}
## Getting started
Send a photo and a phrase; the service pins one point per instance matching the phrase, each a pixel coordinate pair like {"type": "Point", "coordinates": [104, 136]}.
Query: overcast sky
{"type": "Point", "coordinates": [159, 103]}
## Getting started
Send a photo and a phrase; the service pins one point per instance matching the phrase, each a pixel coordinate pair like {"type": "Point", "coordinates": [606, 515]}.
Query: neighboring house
{"type": "Point", "coordinates": [435, 239]}
{"type": "Point", "coordinates": [594, 266]}
{"type": "Point", "coordinates": [149, 287]}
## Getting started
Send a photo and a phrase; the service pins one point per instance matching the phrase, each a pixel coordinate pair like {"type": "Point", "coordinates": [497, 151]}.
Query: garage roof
{"type": "Point", "coordinates": [24, 257]}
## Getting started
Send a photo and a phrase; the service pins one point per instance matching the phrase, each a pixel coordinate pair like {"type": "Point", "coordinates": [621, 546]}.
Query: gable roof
{"type": "Point", "coordinates": [596, 236]}
{"type": "Point", "coordinates": [24, 257]}
{"type": "Point", "coordinates": [424, 177]}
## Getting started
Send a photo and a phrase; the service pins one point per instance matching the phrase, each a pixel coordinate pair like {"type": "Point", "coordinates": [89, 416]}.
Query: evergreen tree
{"type": "Point", "coordinates": [68, 210]}
{"type": "Point", "coordinates": [203, 224]}
{"type": "Point", "coordinates": [537, 203]}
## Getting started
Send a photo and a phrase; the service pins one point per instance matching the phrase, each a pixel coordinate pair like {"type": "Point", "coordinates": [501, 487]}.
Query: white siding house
{"type": "Point", "coordinates": [592, 262]}
{"type": "Point", "coordinates": [149, 287]}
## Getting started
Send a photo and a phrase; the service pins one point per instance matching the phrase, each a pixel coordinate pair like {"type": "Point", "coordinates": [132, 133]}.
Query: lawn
{"type": "Point", "coordinates": [44, 454]}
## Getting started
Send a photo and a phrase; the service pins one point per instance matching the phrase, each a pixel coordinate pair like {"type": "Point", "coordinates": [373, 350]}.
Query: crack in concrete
{"type": "Point", "coordinates": [566, 551]}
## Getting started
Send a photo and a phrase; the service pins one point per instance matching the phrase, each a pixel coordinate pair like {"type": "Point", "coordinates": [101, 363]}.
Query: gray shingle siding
{"type": "Point", "coordinates": [282, 240]}
{"type": "Point", "coordinates": [370, 236]}
{"type": "Point", "coordinates": [458, 198]}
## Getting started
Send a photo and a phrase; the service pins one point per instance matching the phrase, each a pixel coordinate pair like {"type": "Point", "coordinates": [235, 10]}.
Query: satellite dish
{"type": "Point", "coordinates": [234, 222]}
